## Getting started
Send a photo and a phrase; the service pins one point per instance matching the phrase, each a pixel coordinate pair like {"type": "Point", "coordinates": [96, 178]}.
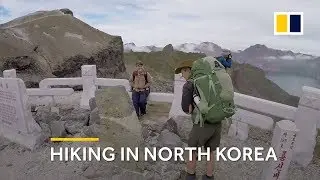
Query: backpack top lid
{"type": "Point", "coordinates": [205, 66]}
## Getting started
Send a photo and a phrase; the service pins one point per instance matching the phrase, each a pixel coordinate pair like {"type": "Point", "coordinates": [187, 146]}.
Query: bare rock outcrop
{"type": "Point", "coordinates": [56, 44]}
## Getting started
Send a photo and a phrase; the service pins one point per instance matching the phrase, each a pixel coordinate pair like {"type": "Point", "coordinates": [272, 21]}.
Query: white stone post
{"type": "Point", "coordinates": [242, 118]}
{"type": "Point", "coordinates": [239, 130]}
{"type": "Point", "coordinates": [16, 121]}
{"type": "Point", "coordinates": [176, 109]}
{"type": "Point", "coordinates": [283, 142]}
{"type": "Point", "coordinates": [89, 77]}
{"type": "Point", "coordinates": [11, 73]}
{"type": "Point", "coordinates": [307, 117]}
{"type": "Point", "coordinates": [53, 106]}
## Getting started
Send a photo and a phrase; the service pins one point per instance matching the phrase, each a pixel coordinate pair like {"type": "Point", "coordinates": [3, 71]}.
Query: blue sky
{"type": "Point", "coordinates": [231, 24]}
{"type": "Point", "coordinates": [4, 12]}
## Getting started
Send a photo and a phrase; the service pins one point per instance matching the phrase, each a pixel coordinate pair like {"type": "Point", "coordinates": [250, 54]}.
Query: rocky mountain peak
{"type": "Point", "coordinates": [130, 44]}
{"type": "Point", "coordinates": [168, 48]}
{"type": "Point", "coordinates": [66, 11]}
{"type": "Point", "coordinates": [263, 50]}
{"type": "Point", "coordinates": [257, 48]}
{"type": "Point", "coordinates": [54, 44]}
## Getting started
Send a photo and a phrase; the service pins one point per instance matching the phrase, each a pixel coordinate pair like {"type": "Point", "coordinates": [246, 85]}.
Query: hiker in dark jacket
{"type": "Point", "coordinates": [225, 58]}
{"type": "Point", "coordinates": [207, 136]}
{"type": "Point", "coordinates": [140, 82]}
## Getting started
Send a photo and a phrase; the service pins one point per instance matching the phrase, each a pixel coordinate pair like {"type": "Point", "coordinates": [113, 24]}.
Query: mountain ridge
{"type": "Point", "coordinates": [199, 47]}
{"type": "Point", "coordinates": [268, 59]}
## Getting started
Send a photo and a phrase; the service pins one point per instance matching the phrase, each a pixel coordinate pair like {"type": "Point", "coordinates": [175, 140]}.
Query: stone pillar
{"type": "Point", "coordinates": [89, 76]}
{"type": "Point", "coordinates": [53, 106]}
{"type": "Point", "coordinates": [238, 130]}
{"type": "Point", "coordinates": [11, 73]}
{"type": "Point", "coordinates": [307, 118]}
{"type": "Point", "coordinates": [16, 121]}
{"type": "Point", "coordinates": [242, 118]}
{"type": "Point", "coordinates": [176, 109]}
{"type": "Point", "coordinates": [283, 142]}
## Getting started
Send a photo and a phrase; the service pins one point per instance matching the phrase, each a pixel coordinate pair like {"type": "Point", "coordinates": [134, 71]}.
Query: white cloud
{"type": "Point", "coordinates": [287, 57]}
{"type": "Point", "coordinates": [232, 24]}
{"type": "Point", "coordinates": [270, 58]}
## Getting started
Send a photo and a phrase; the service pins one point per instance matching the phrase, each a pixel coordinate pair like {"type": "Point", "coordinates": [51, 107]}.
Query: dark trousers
{"type": "Point", "coordinates": [139, 100]}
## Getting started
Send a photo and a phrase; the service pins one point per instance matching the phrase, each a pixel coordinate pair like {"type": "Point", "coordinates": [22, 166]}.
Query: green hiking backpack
{"type": "Point", "coordinates": [214, 91]}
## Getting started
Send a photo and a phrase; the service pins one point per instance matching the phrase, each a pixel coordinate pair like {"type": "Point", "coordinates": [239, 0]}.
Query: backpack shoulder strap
{"type": "Point", "coordinates": [134, 75]}
{"type": "Point", "coordinates": [146, 77]}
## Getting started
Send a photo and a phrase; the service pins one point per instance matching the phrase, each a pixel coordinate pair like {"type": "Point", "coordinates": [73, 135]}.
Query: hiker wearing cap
{"type": "Point", "coordinates": [207, 83]}
{"type": "Point", "coordinates": [225, 58]}
{"type": "Point", "coordinates": [140, 82]}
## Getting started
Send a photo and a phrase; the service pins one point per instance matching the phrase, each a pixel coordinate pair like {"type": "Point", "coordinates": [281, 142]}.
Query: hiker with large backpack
{"type": "Point", "coordinates": [140, 82]}
{"type": "Point", "coordinates": [208, 97]}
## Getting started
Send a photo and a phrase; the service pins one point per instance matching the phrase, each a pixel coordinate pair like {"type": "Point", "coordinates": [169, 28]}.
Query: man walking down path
{"type": "Point", "coordinates": [140, 82]}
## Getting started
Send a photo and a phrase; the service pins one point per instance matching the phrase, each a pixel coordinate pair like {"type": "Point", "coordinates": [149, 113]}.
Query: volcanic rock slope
{"type": "Point", "coordinates": [55, 44]}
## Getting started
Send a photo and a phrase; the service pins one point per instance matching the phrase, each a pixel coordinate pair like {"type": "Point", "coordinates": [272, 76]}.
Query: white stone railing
{"type": "Point", "coordinates": [90, 82]}
{"type": "Point", "coordinates": [259, 112]}
{"type": "Point", "coordinates": [11, 73]}
{"type": "Point", "coordinates": [113, 82]}
{"type": "Point", "coordinates": [50, 92]}
{"type": "Point", "coordinates": [47, 83]}
{"type": "Point", "coordinates": [264, 106]}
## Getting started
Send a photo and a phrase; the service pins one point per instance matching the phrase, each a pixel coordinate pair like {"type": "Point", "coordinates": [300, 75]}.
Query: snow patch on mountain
{"type": "Point", "coordinates": [187, 47]}
{"type": "Point", "coordinates": [305, 56]}
{"type": "Point", "coordinates": [132, 47]}
{"type": "Point", "coordinates": [208, 48]}
{"type": "Point", "coordinates": [290, 57]}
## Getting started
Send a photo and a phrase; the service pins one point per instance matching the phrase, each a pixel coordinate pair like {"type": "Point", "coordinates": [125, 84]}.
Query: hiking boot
{"type": "Point", "coordinates": [191, 176]}
{"type": "Point", "coordinates": [205, 177]}
{"type": "Point", "coordinates": [141, 116]}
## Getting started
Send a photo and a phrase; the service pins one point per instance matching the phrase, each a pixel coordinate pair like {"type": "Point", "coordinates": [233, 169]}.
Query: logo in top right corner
{"type": "Point", "coordinates": [288, 23]}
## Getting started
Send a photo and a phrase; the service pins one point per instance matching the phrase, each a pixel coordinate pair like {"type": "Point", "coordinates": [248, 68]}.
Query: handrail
{"type": "Point", "coordinates": [265, 106]}
{"type": "Point", "coordinates": [113, 82]}
{"type": "Point", "coordinates": [46, 83]}
{"type": "Point", "coordinates": [50, 92]}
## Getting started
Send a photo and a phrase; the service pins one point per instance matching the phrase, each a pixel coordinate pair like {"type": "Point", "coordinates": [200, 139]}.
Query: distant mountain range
{"type": "Point", "coordinates": [210, 48]}
{"type": "Point", "coordinates": [205, 47]}
{"type": "Point", "coordinates": [261, 56]}
{"type": "Point", "coordinates": [132, 47]}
